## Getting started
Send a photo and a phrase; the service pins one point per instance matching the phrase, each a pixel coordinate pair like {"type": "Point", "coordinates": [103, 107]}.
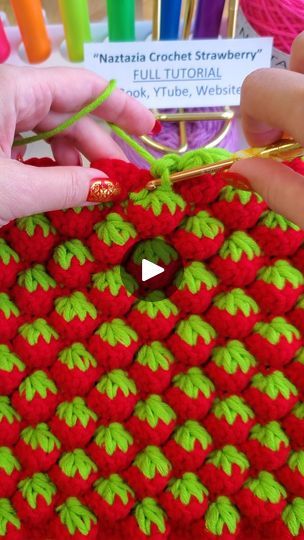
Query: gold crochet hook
{"type": "Point", "coordinates": [283, 150]}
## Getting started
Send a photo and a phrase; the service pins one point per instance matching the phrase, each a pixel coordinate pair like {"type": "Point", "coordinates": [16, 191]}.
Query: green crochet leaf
{"type": "Point", "coordinates": [186, 488]}
{"type": "Point", "coordinates": [233, 357]}
{"type": "Point", "coordinates": [293, 516]}
{"type": "Point", "coordinates": [272, 220]}
{"type": "Point", "coordinates": [40, 436]}
{"type": "Point", "coordinates": [229, 193]}
{"type": "Point", "coordinates": [77, 462]}
{"type": "Point", "coordinates": [7, 253]}
{"type": "Point", "coordinates": [203, 225]}
{"type": "Point", "coordinates": [152, 461]}
{"type": "Point", "coordinates": [300, 356]}
{"type": "Point", "coordinates": [113, 487]}
{"type": "Point", "coordinates": [193, 328]}
{"type": "Point", "coordinates": [155, 356]}
{"type": "Point", "coordinates": [231, 408]}
{"type": "Point", "coordinates": [266, 488]}
{"type": "Point", "coordinates": [7, 306]}
{"type": "Point", "coordinates": [77, 356]}
{"type": "Point", "coordinates": [64, 253]}
{"type": "Point", "coordinates": [116, 332]}
{"type": "Point", "coordinates": [113, 437]}
{"type": "Point", "coordinates": [155, 250]}
{"type": "Point", "coordinates": [156, 303]}
{"type": "Point", "coordinates": [275, 329]}
{"type": "Point", "coordinates": [115, 380]}
{"type": "Point", "coordinates": [35, 277]}
{"type": "Point", "coordinates": [37, 383]}
{"type": "Point", "coordinates": [296, 461]}
{"type": "Point", "coordinates": [153, 410]}
{"type": "Point", "coordinates": [72, 412]}
{"type": "Point", "coordinates": [114, 230]}
{"type": "Point", "coordinates": [237, 244]}
{"type": "Point", "coordinates": [29, 225]}
{"type": "Point", "coordinates": [222, 515]}
{"type": "Point", "coordinates": [270, 435]}
{"type": "Point", "coordinates": [9, 360]}
{"type": "Point", "coordinates": [226, 457]}
{"type": "Point", "coordinates": [155, 200]}
{"type": "Point", "coordinates": [193, 382]}
{"type": "Point", "coordinates": [7, 412]}
{"type": "Point", "coordinates": [75, 305]}
{"type": "Point", "coordinates": [190, 433]}
{"type": "Point", "coordinates": [236, 300]}
{"type": "Point", "coordinates": [275, 384]}
{"type": "Point", "coordinates": [37, 485]}
{"type": "Point", "coordinates": [115, 279]}
{"type": "Point", "coordinates": [8, 462]}
{"type": "Point", "coordinates": [298, 411]}
{"type": "Point", "coordinates": [193, 276]}
{"type": "Point", "coordinates": [31, 332]}
{"type": "Point", "coordinates": [76, 517]}
{"type": "Point", "coordinates": [147, 513]}
{"type": "Point", "coordinates": [8, 516]}
{"type": "Point", "coordinates": [280, 273]}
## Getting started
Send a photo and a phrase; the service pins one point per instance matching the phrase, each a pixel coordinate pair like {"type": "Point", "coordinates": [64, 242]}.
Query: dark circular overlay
{"type": "Point", "coordinates": [159, 252]}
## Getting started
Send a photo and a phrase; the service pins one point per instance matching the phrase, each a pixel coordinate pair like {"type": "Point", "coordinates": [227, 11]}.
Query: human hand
{"type": "Point", "coordinates": [272, 103]}
{"type": "Point", "coordinates": [39, 100]}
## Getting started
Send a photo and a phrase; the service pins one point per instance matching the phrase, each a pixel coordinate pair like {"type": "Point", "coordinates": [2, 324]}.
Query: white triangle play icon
{"type": "Point", "coordinates": [150, 270]}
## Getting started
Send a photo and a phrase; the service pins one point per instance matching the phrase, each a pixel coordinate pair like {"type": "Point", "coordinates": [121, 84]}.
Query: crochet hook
{"type": "Point", "coordinates": [285, 149]}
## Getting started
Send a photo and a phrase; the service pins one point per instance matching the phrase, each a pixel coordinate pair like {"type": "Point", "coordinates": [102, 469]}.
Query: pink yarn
{"type": "Point", "coordinates": [199, 134]}
{"type": "Point", "coordinates": [282, 19]}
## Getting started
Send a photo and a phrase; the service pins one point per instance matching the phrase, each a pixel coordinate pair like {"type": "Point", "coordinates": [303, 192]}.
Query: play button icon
{"type": "Point", "coordinates": [149, 270]}
{"type": "Point", "coordinates": [155, 266]}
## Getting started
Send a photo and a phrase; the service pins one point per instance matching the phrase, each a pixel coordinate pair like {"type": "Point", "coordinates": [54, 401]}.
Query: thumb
{"type": "Point", "coordinates": [281, 187]}
{"type": "Point", "coordinates": [27, 190]}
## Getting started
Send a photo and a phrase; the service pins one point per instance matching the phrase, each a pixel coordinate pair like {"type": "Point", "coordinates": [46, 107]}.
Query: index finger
{"type": "Point", "coordinates": [272, 102]}
{"type": "Point", "coordinates": [67, 90]}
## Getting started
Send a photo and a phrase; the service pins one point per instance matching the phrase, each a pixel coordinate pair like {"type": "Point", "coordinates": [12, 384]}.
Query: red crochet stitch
{"type": "Point", "coordinates": [176, 414]}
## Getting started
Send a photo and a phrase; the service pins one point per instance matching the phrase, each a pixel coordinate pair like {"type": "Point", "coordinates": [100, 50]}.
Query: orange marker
{"type": "Point", "coordinates": [33, 30]}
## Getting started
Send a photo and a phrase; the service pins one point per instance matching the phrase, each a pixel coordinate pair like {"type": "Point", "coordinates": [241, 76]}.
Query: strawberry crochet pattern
{"type": "Point", "coordinates": [172, 415]}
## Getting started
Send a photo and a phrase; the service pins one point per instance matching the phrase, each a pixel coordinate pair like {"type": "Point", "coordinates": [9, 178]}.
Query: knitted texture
{"type": "Point", "coordinates": [171, 417]}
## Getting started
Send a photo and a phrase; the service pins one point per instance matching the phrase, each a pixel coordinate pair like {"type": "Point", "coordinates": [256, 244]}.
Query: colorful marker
{"type": "Point", "coordinates": [208, 18]}
{"type": "Point", "coordinates": [5, 48]}
{"type": "Point", "coordinates": [121, 20]}
{"type": "Point", "coordinates": [76, 22]}
{"type": "Point", "coordinates": [32, 27]}
{"type": "Point", "coordinates": [170, 19]}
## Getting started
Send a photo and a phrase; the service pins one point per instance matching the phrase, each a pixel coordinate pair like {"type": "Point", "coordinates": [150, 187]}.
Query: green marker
{"type": "Point", "coordinates": [76, 22]}
{"type": "Point", "coordinates": [121, 20]}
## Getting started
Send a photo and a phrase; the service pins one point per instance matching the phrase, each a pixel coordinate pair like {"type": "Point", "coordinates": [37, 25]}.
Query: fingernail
{"type": "Point", "coordinates": [156, 129]}
{"type": "Point", "coordinates": [236, 180]}
{"type": "Point", "coordinates": [103, 190]}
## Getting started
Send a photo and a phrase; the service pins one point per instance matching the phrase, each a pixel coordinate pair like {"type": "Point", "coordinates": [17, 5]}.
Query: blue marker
{"type": "Point", "coordinates": [170, 19]}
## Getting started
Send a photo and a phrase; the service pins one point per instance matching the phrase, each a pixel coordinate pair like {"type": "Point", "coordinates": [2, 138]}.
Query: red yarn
{"type": "Point", "coordinates": [58, 530]}
{"type": "Point", "coordinates": [34, 517]}
{"type": "Point", "coordinates": [109, 464]}
{"type": "Point", "coordinates": [115, 410]}
{"type": "Point", "coordinates": [218, 482]}
{"type": "Point", "coordinates": [77, 276]}
{"type": "Point", "coordinates": [72, 224]}
{"type": "Point", "coordinates": [294, 428]}
{"type": "Point", "coordinates": [109, 255]}
{"type": "Point", "coordinates": [151, 329]}
{"type": "Point", "coordinates": [112, 356]}
{"type": "Point", "coordinates": [10, 380]}
{"type": "Point", "coordinates": [38, 409]}
{"type": "Point", "coordinates": [187, 407]}
{"type": "Point", "coordinates": [37, 303]}
{"type": "Point", "coordinates": [148, 381]}
{"type": "Point", "coordinates": [229, 382]}
{"type": "Point", "coordinates": [71, 486]}
{"type": "Point", "coordinates": [263, 458]}
{"type": "Point", "coordinates": [266, 408]}
{"type": "Point", "coordinates": [9, 432]}
{"type": "Point", "coordinates": [111, 306]}
{"type": "Point", "coordinates": [75, 436]}
{"type": "Point", "coordinates": [143, 432]}
{"type": "Point", "coordinates": [193, 303]}
{"type": "Point", "coordinates": [132, 531]}
{"type": "Point", "coordinates": [74, 328]}
{"type": "Point", "coordinates": [74, 382]}
{"type": "Point", "coordinates": [8, 482]}
{"type": "Point", "coordinates": [190, 246]}
{"type": "Point", "coordinates": [35, 460]}
{"type": "Point", "coordinates": [8, 326]}
{"type": "Point", "coordinates": [273, 300]}
{"type": "Point", "coordinates": [111, 512]}
{"type": "Point", "coordinates": [143, 486]}
{"type": "Point", "coordinates": [257, 509]}
{"type": "Point", "coordinates": [182, 460]}
{"type": "Point", "coordinates": [292, 480]}
{"type": "Point", "coordinates": [274, 356]}
{"type": "Point", "coordinates": [236, 274]}
{"type": "Point", "coordinates": [277, 243]}
{"type": "Point", "coordinates": [238, 216]}
{"type": "Point", "coordinates": [231, 326]}
{"type": "Point", "coordinates": [224, 433]}
{"type": "Point", "coordinates": [148, 224]}
{"type": "Point", "coordinates": [190, 355]}
{"type": "Point", "coordinates": [40, 355]}
{"type": "Point", "coordinates": [37, 248]}
{"type": "Point", "coordinates": [182, 513]}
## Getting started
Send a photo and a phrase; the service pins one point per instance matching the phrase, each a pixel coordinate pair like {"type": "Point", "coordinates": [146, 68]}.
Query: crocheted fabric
{"type": "Point", "coordinates": [127, 418]}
